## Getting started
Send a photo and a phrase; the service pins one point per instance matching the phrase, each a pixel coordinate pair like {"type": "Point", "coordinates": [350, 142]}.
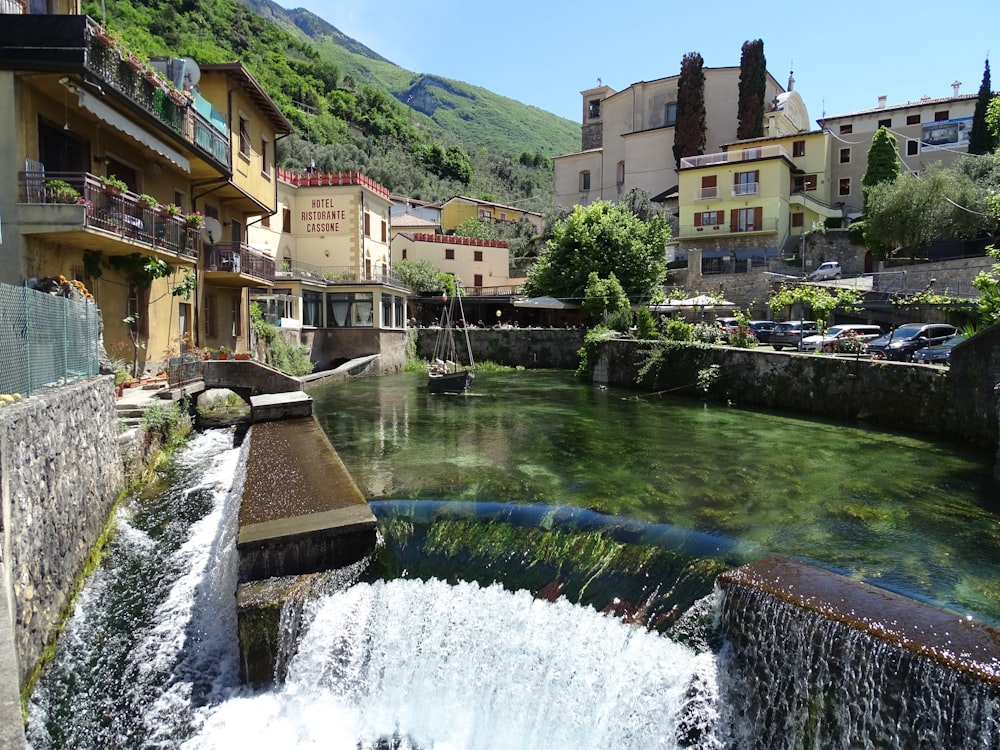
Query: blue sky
{"type": "Point", "coordinates": [541, 53]}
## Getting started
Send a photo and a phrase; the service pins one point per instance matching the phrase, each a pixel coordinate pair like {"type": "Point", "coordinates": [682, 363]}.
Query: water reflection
{"type": "Point", "coordinates": [908, 513]}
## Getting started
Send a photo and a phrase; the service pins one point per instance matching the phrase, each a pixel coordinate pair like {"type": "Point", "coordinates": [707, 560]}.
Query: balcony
{"type": "Point", "coordinates": [334, 275]}
{"type": "Point", "coordinates": [734, 156]}
{"type": "Point", "coordinates": [745, 188]}
{"type": "Point", "coordinates": [90, 215]}
{"type": "Point", "coordinates": [692, 232]}
{"type": "Point", "coordinates": [706, 194]}
{"type": "Point", "coordinates": [76, 44]}
{"type": "Point", "coordinates": [236, 264]}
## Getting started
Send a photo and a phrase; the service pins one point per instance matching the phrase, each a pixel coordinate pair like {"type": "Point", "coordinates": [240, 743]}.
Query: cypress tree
{"type": "Point", "coordinates": [689, 130]}
{"type": "Point", "coordinates": [753, 86]}
{"type": "Point", "coordinates": [981, 140]}
{"type": "Point", "coordinates": [883, 160]}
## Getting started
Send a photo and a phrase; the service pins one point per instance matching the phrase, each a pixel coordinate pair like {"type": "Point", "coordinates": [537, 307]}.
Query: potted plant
{"type": "Point", "coordinates": [147, 201]}
{"type": "Point", "coordinates": [195, 220]}
{"type": "Point", "coordinates": [170, 209]}
{"type": "Point", "coordinates": [113, 185]}
{"type": "Point", "coordinates": [224, 352]}
{"type": "Point", "coordinates": [60, 191]}
{"type": "Point", "coordinates": [243, 356]}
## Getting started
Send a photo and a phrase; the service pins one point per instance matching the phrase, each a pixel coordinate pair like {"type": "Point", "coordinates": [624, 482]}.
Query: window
{"type": "Point", "coordinates": [312, 309]}
{"type": "Point", "coordinates": [941, 116]}
{"type": "Point", "coordinates": [912, 148]}
{"type": "Point", "coordinates": [709, 188]}
{"type": "Point", "coordinates": [244, 137]}
{"type": "Point", "coordinates": [485, 214]}
{"type": "Point", "coordinates": [620, 173]}
{"type": "Point", "coordinates": [913, 119]}
{"type": "Point", "coordinates": [349, 310]}
{"type": "Point", "coordinates": [477, 279]}
{"type": "Point", "coordinates": [708, 218]}
{"type": "Point", "coordinates": [286, 219]}
{"type": "Point", "coordinates": [798, 219]}
{"type": "Point", "coordinates": [845, 129]}
{"type": "Point", "coordinates": [584, 181]}
{"type": "Point", "coordinates": [670, 117]}
{"type": "Point", "coordinates": [804, 182]}
{"type": "Point", "coordinates": [845, 156]}
{"type": "Point", "coordinates": [477, 254]}
{"type": "Point", "coordinates": [265, 157]}
{"type": "Point", "coordinates": [385, 230]}
{"type": "Point", "coordinates": [449, 253]}
{"type": "Point", "coordinates": [594, 108]}
{"type": "Point", "coordinates": [234, 309]}
{"type": "Point", "coordinates": [745, 183]}
{"type": "Point", "coordinates": [211, 317]}
{"type": "Point", "coordinates": [746, 219]}
{"type": "Point", "coordinates": [845, 186]}
{"type": "Point", "coordinates": [798, 148]}
{"type": "Point", "coordinates": [368, 224]}
{"type": "Point", "coordinates": [404, 253]}
{"type": "Point", "coordinates": [887, 123]}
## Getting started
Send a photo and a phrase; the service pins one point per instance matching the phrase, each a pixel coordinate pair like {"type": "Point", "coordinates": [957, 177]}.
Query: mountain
{"type": "Point", "coordinates": [471, 115]}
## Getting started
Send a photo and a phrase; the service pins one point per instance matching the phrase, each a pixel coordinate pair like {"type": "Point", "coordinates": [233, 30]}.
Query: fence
{"type": "Point", "coordinates": [45, 341]}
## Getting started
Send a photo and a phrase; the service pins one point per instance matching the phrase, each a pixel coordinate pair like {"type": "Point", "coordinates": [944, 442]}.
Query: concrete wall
{"type": "Point", "coordinates": [534, 348]}
{"type": "Point", "coordinates": [330, 347]}
{"type": "Point", "coordinates": [61, 474]}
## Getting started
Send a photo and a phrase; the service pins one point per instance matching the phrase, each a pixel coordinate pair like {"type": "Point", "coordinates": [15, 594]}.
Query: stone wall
{"type": "Point", "coordinates": [330, 347]}
{"type": "Point", "coordinates": [61, 475]}
{"type": "Point", "coordinates": [533, 348]}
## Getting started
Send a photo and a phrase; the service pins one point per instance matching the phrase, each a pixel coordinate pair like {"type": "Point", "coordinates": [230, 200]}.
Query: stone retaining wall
{"type": "Point", "coordinates": [533, 348]}
{"type": "Point", "coordinates": [61, 473]}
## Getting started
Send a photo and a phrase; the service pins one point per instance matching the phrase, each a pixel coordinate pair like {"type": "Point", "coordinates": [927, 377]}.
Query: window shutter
{"type": "Point", "coordinates": [758, 218]}
{"type": "Point", "coordinates": [697, 218]}
{"type": "Point", "coordinates": [756, 176]}
{"type": "Point", "coordinates": [734, 223]}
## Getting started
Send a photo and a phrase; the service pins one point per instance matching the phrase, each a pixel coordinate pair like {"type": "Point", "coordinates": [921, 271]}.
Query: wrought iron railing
{"type": "Point", "coordinates": [234, 257]}
{"type": "Point", "coordinates": [115, 212]}
{"type": "Point", "coordinates": [699, 232]}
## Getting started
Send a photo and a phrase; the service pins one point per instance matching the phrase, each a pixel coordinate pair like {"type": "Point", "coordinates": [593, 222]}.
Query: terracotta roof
{"type": "Point", "coordinates": [409, 220]}
{"type": "Point", "coordinates": [908, 105]}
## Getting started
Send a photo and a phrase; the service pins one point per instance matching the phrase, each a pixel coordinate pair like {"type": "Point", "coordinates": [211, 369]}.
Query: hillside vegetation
{"type": "Point", "coordinates": [420, 135]}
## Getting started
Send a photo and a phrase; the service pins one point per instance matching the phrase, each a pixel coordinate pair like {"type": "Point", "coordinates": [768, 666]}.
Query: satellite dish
{"type": "Point", "coordinates": [211, 232]}
{"type": "Point", "coordinates": [190, 73]}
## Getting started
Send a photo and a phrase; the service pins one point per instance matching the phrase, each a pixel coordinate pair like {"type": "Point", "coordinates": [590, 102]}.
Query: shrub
{"type": "Point", "coordinates": [679, 330]}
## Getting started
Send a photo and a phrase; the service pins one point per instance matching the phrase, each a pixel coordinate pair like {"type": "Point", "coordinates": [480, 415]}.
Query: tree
{"type": "Point", "coordinates": [604, 238]}
{"type": "Point", "coordinates": [883, 162]}
{"type": "Point", "coordinates": [419, 275]}
{"type": "Point", "coordinates": [477, 228]}
{"type": "Point", "coordinates": [753, 86]}
{"type": "Point", "coordinates": [604, 297]}
{"type": "Point", "coordinates": [689, 130]}
{"type": "Point", "coordinates": [905, 215]}
{"type": "Point", "coordinates": [981, 139]}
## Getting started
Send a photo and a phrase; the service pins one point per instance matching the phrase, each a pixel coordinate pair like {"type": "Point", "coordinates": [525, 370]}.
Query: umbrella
{"type": "Point", "coordinates": [546, 303]}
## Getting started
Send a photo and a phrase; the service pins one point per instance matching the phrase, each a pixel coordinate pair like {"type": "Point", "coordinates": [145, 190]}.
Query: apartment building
{"type": "Point", "coordinates": [474, 262]}
{"type": "Point", "coordinates": [459, 208]}
{"type": "Point", "coordinates": [628, 137]}
{"type": "Point", "coordinates": [928, 130]}
{"type": "Point", "coordinates": [136, 178]}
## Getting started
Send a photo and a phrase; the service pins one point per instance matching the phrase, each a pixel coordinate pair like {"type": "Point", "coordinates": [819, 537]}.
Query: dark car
{"type": "Point", "coordinates": [940, 354]}
{"type": "Point", "coordinates": [762, 330]}
{"type": "Point", "coordinates": [791, 333]}
{"type": "Point", "coordinates": [900, 344]}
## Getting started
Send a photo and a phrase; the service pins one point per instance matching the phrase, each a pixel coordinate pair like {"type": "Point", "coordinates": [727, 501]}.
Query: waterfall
{"type": "Point", "coordinates": [432, 665]}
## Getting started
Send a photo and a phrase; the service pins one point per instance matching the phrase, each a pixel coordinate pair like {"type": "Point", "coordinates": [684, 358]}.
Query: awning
{"type": "Point", "coordinates": [121, 123]}
{"type": "Point", "coordinates": [546, 303]}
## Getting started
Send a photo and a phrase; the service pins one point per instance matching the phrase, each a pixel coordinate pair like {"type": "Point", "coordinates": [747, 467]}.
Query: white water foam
{"type": "Point", "coordinates": [440, 666]}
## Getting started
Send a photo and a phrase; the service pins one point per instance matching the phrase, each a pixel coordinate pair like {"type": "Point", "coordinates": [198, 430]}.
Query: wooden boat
{"type": "Point", "coordinates": [448, 373]}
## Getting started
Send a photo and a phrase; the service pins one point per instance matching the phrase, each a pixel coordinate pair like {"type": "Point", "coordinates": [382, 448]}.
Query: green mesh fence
{"type": "Point", "coordinates": [45, 341]}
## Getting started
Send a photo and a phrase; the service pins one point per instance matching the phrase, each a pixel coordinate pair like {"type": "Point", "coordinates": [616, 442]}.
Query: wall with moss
{"type": "Point", "coordinates": [533, 348]}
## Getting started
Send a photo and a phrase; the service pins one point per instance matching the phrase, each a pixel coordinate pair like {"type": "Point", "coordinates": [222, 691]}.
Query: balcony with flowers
{"type": "Point", "coordinates": [237, 265]}
{"type": "Point", "coordinates": [101, 214]}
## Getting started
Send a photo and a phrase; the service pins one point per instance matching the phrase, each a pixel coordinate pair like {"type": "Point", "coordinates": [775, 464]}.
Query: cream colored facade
{"type": "Point", "coordinates": [456, 210]}
{"type": "Point", "coordinates": [474, 262]}
{"type": "Point", "coordinates": [928, 131]}
{"type": "Point", "coordinates": [88, 110]}
{"type": "Point", "coordinates": [628, 137]}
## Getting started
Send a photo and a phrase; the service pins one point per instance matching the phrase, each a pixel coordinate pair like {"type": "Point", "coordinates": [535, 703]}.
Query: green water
{"type": "Point", "coordinates": [905, 512]}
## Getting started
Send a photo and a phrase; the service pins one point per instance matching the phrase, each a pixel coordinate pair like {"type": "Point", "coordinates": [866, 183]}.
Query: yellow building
{"type": "Point", "coordinates": [456, 210]}
{"type": "Point", "coordinates": [476, 263]}
{"type": "Point", "coordinates": [107, 155]}
{"type": "Point", "coordinates": [333, 284]}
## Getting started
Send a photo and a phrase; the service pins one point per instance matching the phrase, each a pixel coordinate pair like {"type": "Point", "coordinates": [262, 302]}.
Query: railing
{"type": "Point", "coordinates": [46, 341]}
{"type": "Point", "coordinates": [119, 213]}
{"type": "Point", "coordinates": [736, 155]}
{"type": "Point", "coordinates": [234, 257]}
{"type": "Point", "coordinates": [335, 274]}
{"type": "Point", "coordinates": [706, 193]}
{"type": "Point", "coordinates": [695, 232]}
{"type": "Point", "coordinates": [745, 188]}
{"type": "Point", "coordinates": [148, 89]}
{"type": "Point", "coordinates": [508, 290]}
{"type": "Point", "coordinates": [185, 369]}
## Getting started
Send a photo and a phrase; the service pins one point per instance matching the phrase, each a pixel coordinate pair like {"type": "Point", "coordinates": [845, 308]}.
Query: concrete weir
{"type": "Point", "coordinates": [301, 514]}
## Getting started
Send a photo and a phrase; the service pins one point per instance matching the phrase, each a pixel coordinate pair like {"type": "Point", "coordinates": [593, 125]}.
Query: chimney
{"type": "Point", "coordinates": [954, 88]}
{"type": "Point", "coordinates": [881, 101]}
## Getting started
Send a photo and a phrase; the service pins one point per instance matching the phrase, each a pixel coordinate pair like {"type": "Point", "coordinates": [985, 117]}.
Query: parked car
{"type": "Point", "coordinates": [828, 270]}
{"type": "Point", "coordinates": [900, 344]}
{"type": "Point", "coordinates": [940, 354]}
{"type": "Point", "coordinates": [729, 325]}
{"type": "Point", "coordinates": [848, 337]}
{"type": "Point", "coordinates": [791, 333]}
{"type": "Point", "coordinates": [762, 330]}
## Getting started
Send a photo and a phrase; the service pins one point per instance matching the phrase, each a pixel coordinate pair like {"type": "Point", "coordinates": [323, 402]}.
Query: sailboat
{"type": "Point", "coordinates": [447, 372]}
